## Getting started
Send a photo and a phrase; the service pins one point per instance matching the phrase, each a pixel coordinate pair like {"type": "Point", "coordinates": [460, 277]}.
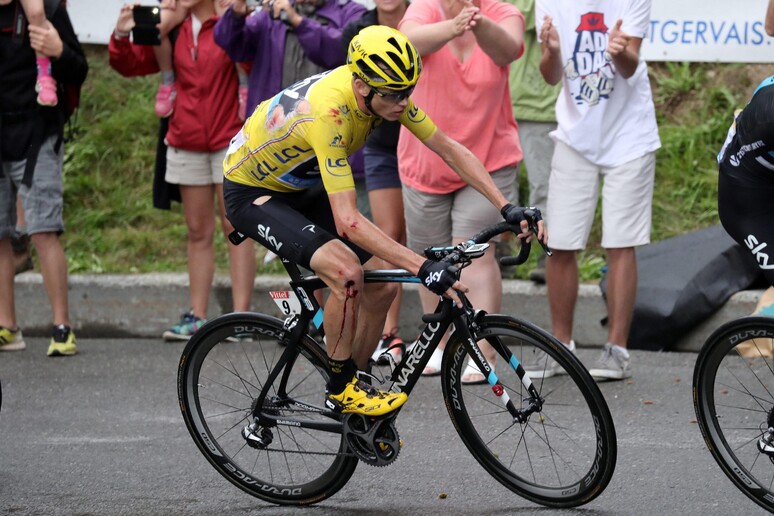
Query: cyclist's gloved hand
{"type": "Point", "coordinates": [512, 214]}
{"type": "Point", "coordinates": [438, 277]}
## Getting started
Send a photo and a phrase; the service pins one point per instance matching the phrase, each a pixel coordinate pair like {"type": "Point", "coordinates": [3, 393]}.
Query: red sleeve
{"type": "Point", "coordinates": [131, 60]}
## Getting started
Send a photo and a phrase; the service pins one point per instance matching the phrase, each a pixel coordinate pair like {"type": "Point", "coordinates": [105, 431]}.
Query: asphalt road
{"type": "Point", "coordinates": [101, 433]}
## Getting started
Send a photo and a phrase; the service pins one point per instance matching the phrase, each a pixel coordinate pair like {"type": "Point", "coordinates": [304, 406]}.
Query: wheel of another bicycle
{"type": "Point", "coordinates": [733, 394]}
{"type": "Point", "coordinates": [563, 455]}
{"type": "Point", "coordinates": [222, 371]}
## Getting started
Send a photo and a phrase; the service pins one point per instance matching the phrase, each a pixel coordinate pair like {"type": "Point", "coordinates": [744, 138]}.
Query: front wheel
{"type": "Point", "coordinates": [733, 394]}
{"type": "Point", "coordinates": [294, 452]}
{"type": "Point", "coordinates": [564, 453]}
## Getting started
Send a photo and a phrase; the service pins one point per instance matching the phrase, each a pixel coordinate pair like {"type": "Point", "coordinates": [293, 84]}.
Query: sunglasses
{"type": "Point", "coordinates": [395, 96]}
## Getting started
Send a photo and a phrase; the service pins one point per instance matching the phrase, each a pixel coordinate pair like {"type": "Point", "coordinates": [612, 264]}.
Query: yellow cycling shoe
{"type": "Point", "coordinates": [360, 398]}
{"type": "Point", "coordinates": [62, 342]}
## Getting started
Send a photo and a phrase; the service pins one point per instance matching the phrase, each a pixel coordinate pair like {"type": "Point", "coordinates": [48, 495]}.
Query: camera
{"type": "Point", "coordinates": [146, 19]}
{"type": "Point", "coordinates": [283, 16]}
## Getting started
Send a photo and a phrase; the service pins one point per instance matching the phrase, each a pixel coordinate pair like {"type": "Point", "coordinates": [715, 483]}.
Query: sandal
{"type": "Point", "coordinates": [472, 375]}
{"type": "Point", "coordinates": [433, 367]}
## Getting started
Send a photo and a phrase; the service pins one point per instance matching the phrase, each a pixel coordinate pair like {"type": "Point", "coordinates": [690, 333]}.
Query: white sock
{"type": "Point", "coordinates": [570, 346]}
{"type": "Point", "coordinates": [620, 350]}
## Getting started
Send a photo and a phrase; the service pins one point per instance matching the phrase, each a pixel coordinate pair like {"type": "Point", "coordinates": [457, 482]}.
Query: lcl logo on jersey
{"type": "Point", "coordinates": [332, 164]}
{"type": "Point", "coordinates": [413, 113]}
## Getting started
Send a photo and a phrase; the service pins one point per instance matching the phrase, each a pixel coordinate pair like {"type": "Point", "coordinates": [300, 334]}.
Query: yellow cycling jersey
{"type": "Point", "coordinates": [304, 134]}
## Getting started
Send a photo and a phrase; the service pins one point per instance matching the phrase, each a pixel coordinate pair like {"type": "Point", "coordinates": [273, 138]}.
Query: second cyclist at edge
{"type": "Point", "coordinates": [289, 186]}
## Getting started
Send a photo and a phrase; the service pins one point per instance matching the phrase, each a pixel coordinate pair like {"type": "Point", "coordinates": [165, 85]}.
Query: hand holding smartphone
{"type": "Point", "coordinates": [146, 21]}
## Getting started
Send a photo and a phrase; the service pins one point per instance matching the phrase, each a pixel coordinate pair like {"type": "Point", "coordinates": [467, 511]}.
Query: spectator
{"type": "Point", "coordinates": [606, 130]}
{"type": "Point", "coordinates": [286, 42]}
{"type": "Point", "coordinates": [382, 180]}
{"type": "Point", "coordinates": [199, 131]}
{"type": "Point", "coordinates": [465, 51]}
{"type": "Point", "coordinates": [533, 103]}
{"type": "Point", "coordinates": [32, 154]}
{"type": "Point", "coordinates": [770, 19]}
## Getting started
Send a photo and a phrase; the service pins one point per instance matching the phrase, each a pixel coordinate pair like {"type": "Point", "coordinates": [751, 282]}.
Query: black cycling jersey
{"type": "Point", "coordinates": [746, 180]}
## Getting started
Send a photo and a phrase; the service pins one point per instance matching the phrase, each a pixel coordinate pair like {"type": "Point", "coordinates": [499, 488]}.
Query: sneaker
{"type": "Point", "coordinates": [165, 100]}
{"type": "Point", "coordinates": [11, 340]}
{"type": "Point", "coordinates": [62, 342]}
{"type": "Point", "coordinates": [612, 364]}
{"type": "Point", "coordinates": [46, 88]}
{"type": "Point", "coordinates": [189, 323]}
{"type": "Point", "coordinates": [360, 398]}
{"type": "Point", "coordinates": [389, 344]}
{"type": "Point", "coordinates": [539, 365]}
{"type": "Point", "coordinates": [242, 95]}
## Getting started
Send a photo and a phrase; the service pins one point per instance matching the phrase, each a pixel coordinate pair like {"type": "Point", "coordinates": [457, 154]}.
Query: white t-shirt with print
{"type": "Point", "coordinates": [604, 117]}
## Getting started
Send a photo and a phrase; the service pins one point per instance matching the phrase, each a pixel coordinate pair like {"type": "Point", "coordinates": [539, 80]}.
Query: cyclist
{"type": "Point", "coordinates": [746, 179]}
{"type": "Point", "coordinates": [289, 186]}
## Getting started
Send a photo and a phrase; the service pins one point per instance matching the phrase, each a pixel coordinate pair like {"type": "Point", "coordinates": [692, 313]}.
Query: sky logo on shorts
{"type": "Point", "coordinates": [589, 62]}
{"type": "Point", "coordinates": [263, 232]}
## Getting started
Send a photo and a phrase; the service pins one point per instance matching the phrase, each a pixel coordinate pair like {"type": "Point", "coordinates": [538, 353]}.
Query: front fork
{"type": "Point", "coordinates": [533, 403]}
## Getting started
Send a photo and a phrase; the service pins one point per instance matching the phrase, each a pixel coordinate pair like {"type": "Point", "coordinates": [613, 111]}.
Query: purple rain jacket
{"type": "Point", "coordinates": [260, 40]}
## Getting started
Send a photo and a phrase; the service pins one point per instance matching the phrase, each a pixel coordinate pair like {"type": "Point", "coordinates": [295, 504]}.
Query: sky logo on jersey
{"type": "Point", "coordinates": [590, 62]}
{"type": "Point", "coordinates": [332, 166]}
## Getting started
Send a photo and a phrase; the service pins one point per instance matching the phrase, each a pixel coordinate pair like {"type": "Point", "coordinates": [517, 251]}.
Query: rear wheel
{"type": "Point", "coordinates": [733, 394]}
{"type": "Point", "coordinates": [564, 453]}
{"type": "Point", "coordinates": [296, 455]}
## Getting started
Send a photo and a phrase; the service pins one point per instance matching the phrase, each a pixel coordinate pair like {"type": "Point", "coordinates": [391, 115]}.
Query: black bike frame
{"type": "Point", "coordinates": [407, 373]}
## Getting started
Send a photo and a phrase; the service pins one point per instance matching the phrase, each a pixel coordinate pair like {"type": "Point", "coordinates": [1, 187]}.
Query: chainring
{"type": "Point", "coordinates": [375, 441]}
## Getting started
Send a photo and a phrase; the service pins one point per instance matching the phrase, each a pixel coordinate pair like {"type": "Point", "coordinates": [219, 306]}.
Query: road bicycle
{"type": "Point", "coordinates": [733, 394]}
{"type": "Point", "coordinates": [251, 390]}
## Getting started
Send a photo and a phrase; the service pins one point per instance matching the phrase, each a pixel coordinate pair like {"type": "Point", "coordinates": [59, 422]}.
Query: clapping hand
{"type": "Point", "coordinates": [549, 37]}
{"type": "Point", "coordinates": [617, 40]}
{"type": "Point", "coordinates": [467, 18]}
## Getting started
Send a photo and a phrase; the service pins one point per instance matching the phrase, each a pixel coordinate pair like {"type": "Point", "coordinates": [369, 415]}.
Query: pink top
{"type": "Point", "coordinates": [470, 101]}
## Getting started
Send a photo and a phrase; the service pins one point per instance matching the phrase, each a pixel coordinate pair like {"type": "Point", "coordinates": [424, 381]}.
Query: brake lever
{"type": "Point", "coordinates": [532, 224]}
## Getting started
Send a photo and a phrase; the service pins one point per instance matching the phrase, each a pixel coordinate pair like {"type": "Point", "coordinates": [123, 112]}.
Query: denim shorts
{"type": "Point", "coordinates": [43, 201]}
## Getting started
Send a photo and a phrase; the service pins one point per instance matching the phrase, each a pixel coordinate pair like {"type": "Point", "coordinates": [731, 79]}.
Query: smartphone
{"type": "Point", "coordinates": [145, 31]}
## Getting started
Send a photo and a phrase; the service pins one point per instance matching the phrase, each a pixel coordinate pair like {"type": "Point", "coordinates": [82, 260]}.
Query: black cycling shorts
{"type": "Point", "coordinates": [291, 224]}
{"type": "Point", "coordinates": [746, 210]}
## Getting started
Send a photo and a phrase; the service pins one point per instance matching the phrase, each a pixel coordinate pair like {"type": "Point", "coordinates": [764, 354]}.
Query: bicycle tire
{"type": "Point", "coordinates": [573, 431]}
{"type": "Point", "coordinates": [733, 395]}
{"type": "Point", "coordinates": [219, 381]}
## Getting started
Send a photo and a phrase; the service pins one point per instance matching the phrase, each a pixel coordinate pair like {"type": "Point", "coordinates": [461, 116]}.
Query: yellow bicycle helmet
{"type": "Point", "coordinates": [384, 58]}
